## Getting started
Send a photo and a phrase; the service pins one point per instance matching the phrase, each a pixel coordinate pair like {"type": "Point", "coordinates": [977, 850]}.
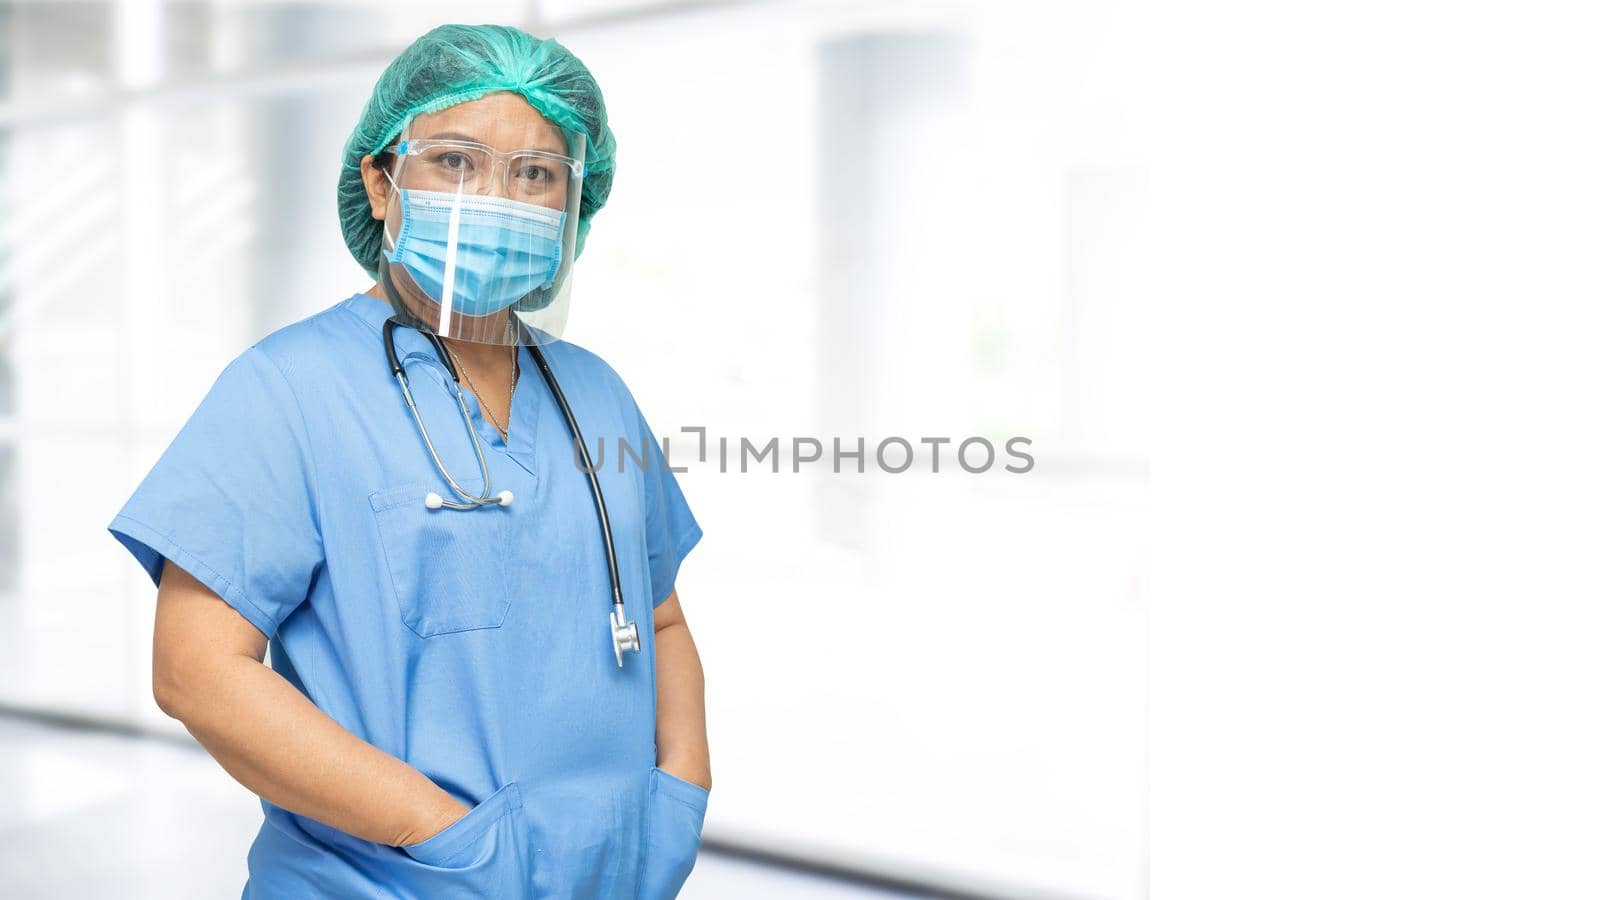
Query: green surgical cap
{"type": "Point", "coordinates": [454, 64]}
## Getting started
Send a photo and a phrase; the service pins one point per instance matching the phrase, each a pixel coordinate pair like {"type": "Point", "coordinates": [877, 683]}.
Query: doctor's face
{"type": "Point", "coordinates": [496, 146]}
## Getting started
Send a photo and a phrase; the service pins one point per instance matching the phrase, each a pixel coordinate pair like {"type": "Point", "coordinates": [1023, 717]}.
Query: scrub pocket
{"type": "Point", "coordinates": [448, 566]}
{"type": "Point", "coordinates": [477, 838]}
{"type": "Point", "coordinates": [675, 813]}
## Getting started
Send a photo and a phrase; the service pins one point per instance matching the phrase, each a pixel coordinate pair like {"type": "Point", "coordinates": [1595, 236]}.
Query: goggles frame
{"type": "Point", "coordinates": [416, 147]}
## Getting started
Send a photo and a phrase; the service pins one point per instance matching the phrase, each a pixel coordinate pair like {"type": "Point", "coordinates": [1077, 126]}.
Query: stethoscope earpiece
{"type": "Point", "coordinates": [432, 500]}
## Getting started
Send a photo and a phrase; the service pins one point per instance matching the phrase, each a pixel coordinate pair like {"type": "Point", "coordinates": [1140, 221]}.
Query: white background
{"type": "Point", "coordinates": [1374, 635]}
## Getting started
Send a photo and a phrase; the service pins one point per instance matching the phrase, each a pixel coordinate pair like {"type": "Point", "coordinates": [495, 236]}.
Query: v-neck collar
{"type": "Point", "coordinates": [526, 401]}
{"type": "Point", "coordinates": [525, 406]}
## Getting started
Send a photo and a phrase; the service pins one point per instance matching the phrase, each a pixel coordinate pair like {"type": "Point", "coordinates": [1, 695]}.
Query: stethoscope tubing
{"type": "Point", "coordinates": [588, 469]}
{"type": "Point", "coordinates": [473, 501]}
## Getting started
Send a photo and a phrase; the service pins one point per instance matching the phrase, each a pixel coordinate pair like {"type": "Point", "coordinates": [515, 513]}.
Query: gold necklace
{"type": "Point", "coordinates": [505, 430]}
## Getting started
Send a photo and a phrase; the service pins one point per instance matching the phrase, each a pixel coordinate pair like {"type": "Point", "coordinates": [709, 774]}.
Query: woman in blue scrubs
{"type": "Point", "coordinates": [443, 715]}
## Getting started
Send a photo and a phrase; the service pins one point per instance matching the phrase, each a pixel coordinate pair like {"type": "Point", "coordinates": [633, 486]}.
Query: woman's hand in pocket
{"type": "Point", "coordinates": [439, 813]}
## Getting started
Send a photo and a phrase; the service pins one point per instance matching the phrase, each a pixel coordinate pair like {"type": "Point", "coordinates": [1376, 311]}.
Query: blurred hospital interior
{"type": "Point", "coordinates": [831, 220]}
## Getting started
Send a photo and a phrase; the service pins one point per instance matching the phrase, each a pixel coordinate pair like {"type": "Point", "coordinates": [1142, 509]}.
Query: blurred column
{"type": "Point", "coordinates": [51, 225]}
{"type": "Point", "coordinates": [10, 513]}
{"type": "Point", "coordinates": [140, 275]}
{"type": "Point", "coordinates": [288, 145]}
{"type": "Point", "coordinates": [884, 101]}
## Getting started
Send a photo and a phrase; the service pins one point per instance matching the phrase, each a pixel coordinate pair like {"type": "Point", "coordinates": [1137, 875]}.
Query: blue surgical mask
{"type": "Point", "coordinates": [504, 248]}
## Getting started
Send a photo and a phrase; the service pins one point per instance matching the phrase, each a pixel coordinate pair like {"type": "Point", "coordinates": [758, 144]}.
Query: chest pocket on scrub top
{"type": "Point", "coordinates": [448, 566]}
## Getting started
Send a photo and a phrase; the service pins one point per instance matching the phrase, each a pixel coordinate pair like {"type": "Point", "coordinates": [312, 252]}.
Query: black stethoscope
{"type": "Point", "coordinates": [624, 634]}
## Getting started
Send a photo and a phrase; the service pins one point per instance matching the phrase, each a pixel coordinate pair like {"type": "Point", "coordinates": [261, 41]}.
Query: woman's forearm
{"type": "Point", "coordinates": [275, 742]}
{"type": "Point", "coordinates": [681, 744]}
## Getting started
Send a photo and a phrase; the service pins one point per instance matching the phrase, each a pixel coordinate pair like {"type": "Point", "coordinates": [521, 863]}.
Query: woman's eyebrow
{"type": "Point", "coordinates": [542, 144]}
{"type": "Point", "coordinates": [453, 136]}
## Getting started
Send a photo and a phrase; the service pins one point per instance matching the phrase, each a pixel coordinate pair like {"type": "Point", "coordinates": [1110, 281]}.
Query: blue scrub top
{"type": "Point", "coordinates": [475, 645]}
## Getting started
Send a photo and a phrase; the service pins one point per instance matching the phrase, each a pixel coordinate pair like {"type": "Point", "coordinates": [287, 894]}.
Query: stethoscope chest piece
{"type": "Point", "coordinates": [624, 634]}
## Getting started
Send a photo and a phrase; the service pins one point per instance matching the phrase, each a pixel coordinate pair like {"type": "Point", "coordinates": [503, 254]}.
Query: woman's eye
{"type": "Point", "coordinates": [534, 173]}
{"type": "Point", "coordinates": [454, 161]}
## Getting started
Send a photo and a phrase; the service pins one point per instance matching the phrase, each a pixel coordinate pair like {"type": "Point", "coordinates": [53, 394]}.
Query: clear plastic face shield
{"type": "Point", "coordinates": [482, 222]}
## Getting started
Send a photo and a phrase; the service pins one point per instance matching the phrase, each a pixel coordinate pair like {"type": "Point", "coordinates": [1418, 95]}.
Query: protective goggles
{"type": "Point", "coordinates": [530, 176]}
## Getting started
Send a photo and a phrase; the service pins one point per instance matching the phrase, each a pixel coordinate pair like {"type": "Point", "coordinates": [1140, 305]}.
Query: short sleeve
{"type": "Point", "coordinates": [670, 528]}
{"type": "Point", "coordinates": [232, 500]}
